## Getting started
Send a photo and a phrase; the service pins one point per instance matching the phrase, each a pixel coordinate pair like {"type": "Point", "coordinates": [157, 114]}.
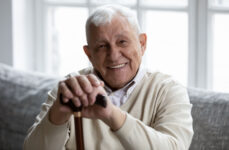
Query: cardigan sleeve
{"type": "Point", "coordinates": [45, 135]}
{"type": "Point", "coordinates": [170, 130]}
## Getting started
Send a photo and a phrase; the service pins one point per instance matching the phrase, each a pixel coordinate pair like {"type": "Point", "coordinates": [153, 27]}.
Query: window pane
{"type": "Point", "coordinates": [67, 1]}
{"type": "Point", "coordinates": [134, 10]}
{"type": "Point", "coordinates": [220, 3]}
{"type": "Point", "coordinates": [167, 45]}
{"type": "Point", "coordinates": [164, 2]}
{"type": "Point", "coordinates": [221, 53]}
{"type": "Point", "coordinates": [67, 37]}
{"type": "Point", "coordinates": [124, 2]}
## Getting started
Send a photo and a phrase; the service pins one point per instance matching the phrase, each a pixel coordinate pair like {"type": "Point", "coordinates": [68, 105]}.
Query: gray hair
{"type": "Point", "coordinates": [104, 14]}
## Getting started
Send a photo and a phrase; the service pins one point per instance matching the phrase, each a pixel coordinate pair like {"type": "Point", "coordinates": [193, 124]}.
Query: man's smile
{"type": "Point", "coordinates": [118, 66]}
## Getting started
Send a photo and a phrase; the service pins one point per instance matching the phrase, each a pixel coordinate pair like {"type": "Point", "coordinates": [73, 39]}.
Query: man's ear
{"type": "Point", "coordinates": [87, 51]}
{"type": "Point", "coordinates": [143, 41]}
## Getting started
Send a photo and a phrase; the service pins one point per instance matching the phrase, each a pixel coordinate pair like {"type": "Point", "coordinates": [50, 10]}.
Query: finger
{"type": "Point", "coordinates": [65, 100]}
{"type": "Point", "coordinates": [76, 101]}
{"type": "Point", "coordinates": [85, 84]}
{"type": "Point", "coordinates": [64, 90]}
{"type": "Point", "coordinates": [93, 79]}
{"type": "Point", "coordinates": [92, 97]}
{"type": "Point", "coordinates": [84, 100]}
{"type": "Point", "coordinates": [74, 86]}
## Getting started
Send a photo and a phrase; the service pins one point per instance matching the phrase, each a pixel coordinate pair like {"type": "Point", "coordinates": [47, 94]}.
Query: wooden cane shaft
{"type": "Point", "coordinates": [79, 133]}
{"type": "Point", "coordinates": [100, 100]}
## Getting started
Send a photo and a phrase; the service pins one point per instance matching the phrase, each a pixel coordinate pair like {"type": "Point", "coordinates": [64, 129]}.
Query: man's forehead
{"type": "Point", "coordinates": [103, 38]}
{"type": "Point", "coordinates": [116, 30]}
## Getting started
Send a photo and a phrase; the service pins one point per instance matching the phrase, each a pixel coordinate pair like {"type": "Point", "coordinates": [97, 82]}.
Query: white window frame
{"type": "Point", "coordinates": [212, 10]}
{"type": "Point", "coordinates": [201, 42]}
{"type": "Point", "coordinates": [199, 35]}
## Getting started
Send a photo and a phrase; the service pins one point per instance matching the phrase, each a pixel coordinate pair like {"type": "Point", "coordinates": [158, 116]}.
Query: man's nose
{"type": "Point", "coordinates": [114, 53]}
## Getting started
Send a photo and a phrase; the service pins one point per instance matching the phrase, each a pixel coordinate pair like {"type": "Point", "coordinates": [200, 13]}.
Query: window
{"type": "Point", "coordinates": [221, 52]}
{"type": "Point", "coordinates": [66, 39]}
{"type": "Point", "coordinates": [167, 45]}
{"type": "Point", "coordinates": [186, 38]}
{"type": "Point", "coordinates": [220, 3]}
{"type": "Point", "coordinates": [220, 23]}
{"type": "Point", "coordinates": [66, 35]}
{"type": "Point", "coordinates": [159, 3]}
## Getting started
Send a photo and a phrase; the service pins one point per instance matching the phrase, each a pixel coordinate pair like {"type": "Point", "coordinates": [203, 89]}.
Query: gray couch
{"type": "Point", "coordinates": [21, 95]}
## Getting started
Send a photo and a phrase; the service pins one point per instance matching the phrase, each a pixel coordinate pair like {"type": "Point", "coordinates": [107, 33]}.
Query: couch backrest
{"type": "Point", "coordinates": [210, 120]}
{"type": "Point", "coordinates": [21, 95]}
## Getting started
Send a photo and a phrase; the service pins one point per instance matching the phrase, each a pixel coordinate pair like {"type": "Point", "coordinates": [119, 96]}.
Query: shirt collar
{"type": "Point", "coordinates": [128, 88]}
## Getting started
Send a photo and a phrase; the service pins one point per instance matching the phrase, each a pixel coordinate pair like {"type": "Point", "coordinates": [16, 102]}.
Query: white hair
{"type": "Point", "coordinates": [104, 14]}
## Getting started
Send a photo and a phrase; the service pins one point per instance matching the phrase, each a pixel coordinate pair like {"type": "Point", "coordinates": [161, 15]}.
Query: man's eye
{"type": "Point", "coordinates": [102, 46]}
{"type": "Point", "coordinates": [122, 41]}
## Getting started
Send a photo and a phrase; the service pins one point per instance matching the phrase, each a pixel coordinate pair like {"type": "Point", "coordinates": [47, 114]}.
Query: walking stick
{"type": "Point", "coordinates": [100, 100]}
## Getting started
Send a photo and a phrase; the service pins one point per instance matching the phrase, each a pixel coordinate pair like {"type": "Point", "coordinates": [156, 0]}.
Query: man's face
{"type": "Point", "coordinates": [115, 51]}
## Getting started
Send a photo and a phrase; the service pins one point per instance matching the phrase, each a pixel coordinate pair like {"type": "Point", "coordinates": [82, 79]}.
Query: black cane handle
{"type": "Point", "coordinates": [100, 100]}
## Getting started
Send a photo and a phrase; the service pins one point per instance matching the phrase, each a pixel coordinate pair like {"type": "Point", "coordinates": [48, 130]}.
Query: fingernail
{"type": "Point", "coordinates": [97, 82]}
{"type": "Point", "coordinates": [102, 83]}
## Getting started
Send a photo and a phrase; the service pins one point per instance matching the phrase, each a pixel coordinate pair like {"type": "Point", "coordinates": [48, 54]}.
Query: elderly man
{"type": "Point", "coordinates": [144, 110]}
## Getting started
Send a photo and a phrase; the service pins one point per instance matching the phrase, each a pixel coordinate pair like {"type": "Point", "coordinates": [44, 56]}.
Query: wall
{"type": "Point", "coordinates": [6, 42]}
{"type": "Point", "coordinates": [17, 33]}
{"type": "Point", "coordinates": [23, 34]}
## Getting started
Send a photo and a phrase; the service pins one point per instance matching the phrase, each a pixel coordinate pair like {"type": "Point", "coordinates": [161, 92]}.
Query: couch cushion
{"type": "Point", "coordinates": [210, 120]}
{"type": "Point", "coordinates": [21, 95]}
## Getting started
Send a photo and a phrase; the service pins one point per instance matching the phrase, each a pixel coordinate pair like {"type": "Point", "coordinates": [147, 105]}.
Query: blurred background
{"type": "Point", "coordinates": [188, 39]}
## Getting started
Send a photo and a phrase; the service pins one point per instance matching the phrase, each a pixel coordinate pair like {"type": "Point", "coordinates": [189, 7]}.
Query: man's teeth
{"type": "Point", "coordinates": [118, 66]}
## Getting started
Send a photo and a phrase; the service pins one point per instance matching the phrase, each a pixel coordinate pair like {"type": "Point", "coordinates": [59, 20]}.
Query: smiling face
{"type": "Point", "coordinates": [115, 51]}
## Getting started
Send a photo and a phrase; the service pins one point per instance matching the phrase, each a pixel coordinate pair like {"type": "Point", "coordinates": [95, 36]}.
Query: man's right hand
{"type": "Point", "coordinates": [82, 90]}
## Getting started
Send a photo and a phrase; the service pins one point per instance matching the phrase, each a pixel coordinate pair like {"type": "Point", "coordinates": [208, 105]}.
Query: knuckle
{"type": "Point", "coordinates": [93, 79]}
{"type": "Point", "coordinates": [85, 84]}
{"type": "Point", "coordinates": [79, 77]}
{"type": "Point", "coordinates": [62, 86]}
{"type": "Point", "coordinates": [76, 101]}
{"type": "Point", "coordinates": [61, 83]}
{"type": "Point", "coordinates": [65, 92]}
{"type": "Point", "coordinates": [82, 79]}
{"type": "Point", "coordinates": [79, 92]}
{"type": "Point", "coordinates": [69, 80]}
{"type": "Point", "coordinates": [91, 76]}
{"type": "Point", "coordinates": [88, 89]}
{"type": "Point", "coordinates": [83, 98]}
{"type": "Point", "coordinates": [74, 85]}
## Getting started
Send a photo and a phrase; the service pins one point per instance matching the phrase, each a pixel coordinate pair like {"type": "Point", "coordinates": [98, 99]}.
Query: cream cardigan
{"type": "Point", "coordinates": [158, 117]}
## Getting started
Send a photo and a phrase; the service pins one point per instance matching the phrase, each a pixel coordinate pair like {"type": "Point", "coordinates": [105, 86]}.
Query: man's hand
{"type": "Point", "coordinates": [82, 90]}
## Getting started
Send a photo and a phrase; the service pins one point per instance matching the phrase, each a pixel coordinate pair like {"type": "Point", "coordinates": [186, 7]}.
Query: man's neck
{"type": "Point", "coordinates": [113, 88]}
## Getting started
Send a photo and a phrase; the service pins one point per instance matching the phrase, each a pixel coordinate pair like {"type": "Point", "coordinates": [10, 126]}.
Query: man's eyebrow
{"type": "Point", "coordinates": [100, 41]}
